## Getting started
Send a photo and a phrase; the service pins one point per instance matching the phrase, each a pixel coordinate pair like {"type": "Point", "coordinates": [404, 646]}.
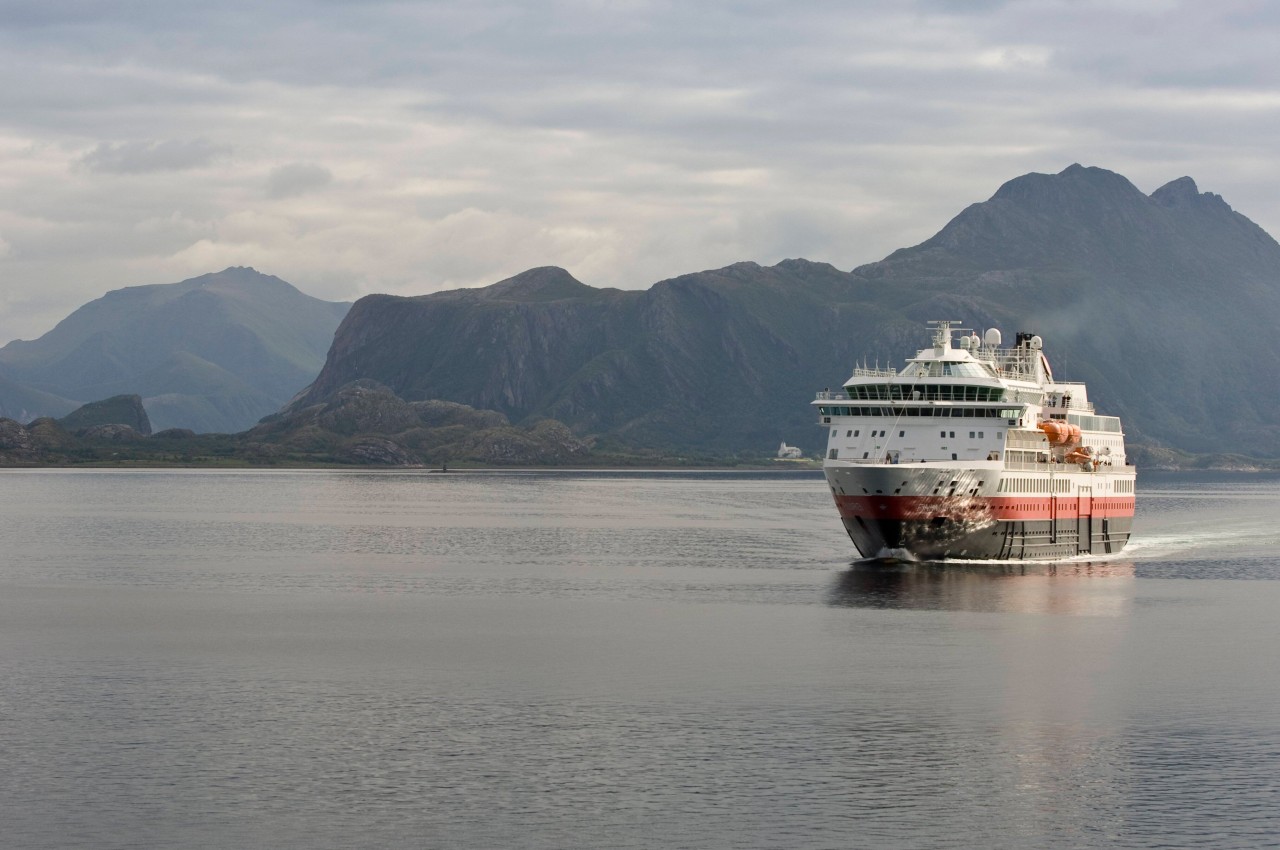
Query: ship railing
{"type": "Point", "coordinates": [828, 395]}
{"type": "Point", "coordinates": [1031, 466]}
{"type": "Point", "coordinates": [1073, 407]}
{"type": "Point", "coordinates": [902, 460]}
{"type": "Point", "coordinates": [1075, 403]}
{"type": "Point", "coordinates": [871, 372]}
{"type": "Point", "coordinates": [1012, 362]}
{"type": "Point", "coordinates": [1027, 442]}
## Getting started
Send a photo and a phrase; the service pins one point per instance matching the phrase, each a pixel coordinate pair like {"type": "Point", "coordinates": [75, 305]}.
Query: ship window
{"type": "Point", "coordinates": [856, 432]}
{"type": "Point", "coordinates": [864, 457]}
{"type": "Point", "coordinates": [953, 456]}
{"type": "Point", "coordinates": [953, 433]}
{"type": "Point", "coordinates": [972, 434]}
{"type": "Point", "coordinates": [980, 436]}
{"type": "Point", "coordinates": [902, 433]}
{"type": "Point", "coordinates": [833, 454]}
{"type": "Point", "coordinates": [834, 432]}
{"type": "Point", "coordinates": [848, 433]}
{"type": "Point", "coordinates": [942, 434]}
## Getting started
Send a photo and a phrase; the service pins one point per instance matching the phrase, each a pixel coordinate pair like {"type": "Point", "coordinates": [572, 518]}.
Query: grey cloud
{"type": "Point", "coordinates": [868, 126]}
{"type": "Point", "coordinates": [297, 178]}
{"type": "Point", "coordinates": [962, 7]}
{"type": "Point", "coordinates": [147, 157]}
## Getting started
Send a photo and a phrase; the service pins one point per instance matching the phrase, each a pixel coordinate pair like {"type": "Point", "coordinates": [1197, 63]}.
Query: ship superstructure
{"type": "Point", "coordinates": [975, 451]}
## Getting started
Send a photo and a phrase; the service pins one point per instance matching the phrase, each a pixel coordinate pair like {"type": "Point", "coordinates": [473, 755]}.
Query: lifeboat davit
{"type": "Point", "coordinates": [1060, 433]}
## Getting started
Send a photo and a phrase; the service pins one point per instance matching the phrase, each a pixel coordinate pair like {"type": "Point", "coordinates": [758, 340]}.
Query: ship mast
{"type": "Point", "coordinates": [942, 334]}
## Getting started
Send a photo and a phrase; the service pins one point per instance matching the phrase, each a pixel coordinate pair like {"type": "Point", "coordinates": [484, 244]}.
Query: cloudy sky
{"type": "Point", "coordinates": [357, 146]}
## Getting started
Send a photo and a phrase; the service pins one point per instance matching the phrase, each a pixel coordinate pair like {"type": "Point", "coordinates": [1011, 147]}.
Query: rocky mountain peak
{"type": "Point", "coordinates": [1183, 192]}
{"type": "Point", "coordinates": [1073, 184]}
{"type": "Point", "coordinates": [1176, 191]}
{"type": "Point", "coordinates": [545, 283]}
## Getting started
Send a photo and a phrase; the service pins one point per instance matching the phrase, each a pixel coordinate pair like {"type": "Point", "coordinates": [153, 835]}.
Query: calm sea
{"type": "Point", "coordinates": [604, 660]}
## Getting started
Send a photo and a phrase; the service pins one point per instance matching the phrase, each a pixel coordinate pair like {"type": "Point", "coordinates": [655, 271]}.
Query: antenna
{"type": "Point", "coordinates": [942, 333]}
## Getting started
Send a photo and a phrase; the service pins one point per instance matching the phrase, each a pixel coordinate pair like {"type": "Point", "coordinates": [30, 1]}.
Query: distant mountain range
{"type": "Point", "coordinates": [214, 353]}
{"type": "Point", "coordinates": [1166, 304]}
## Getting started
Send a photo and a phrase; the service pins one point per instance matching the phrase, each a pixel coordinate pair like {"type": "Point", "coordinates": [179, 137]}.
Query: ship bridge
{"type": "Point", "coordinates": [941, 373]}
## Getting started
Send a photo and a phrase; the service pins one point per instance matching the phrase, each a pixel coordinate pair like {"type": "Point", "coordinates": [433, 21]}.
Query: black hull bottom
{"type": "Point", "coordinates": [1001, 540]}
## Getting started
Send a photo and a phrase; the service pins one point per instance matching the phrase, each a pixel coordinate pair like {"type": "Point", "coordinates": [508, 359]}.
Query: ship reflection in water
{"type": "Point", "coordinates": [1085, 588]}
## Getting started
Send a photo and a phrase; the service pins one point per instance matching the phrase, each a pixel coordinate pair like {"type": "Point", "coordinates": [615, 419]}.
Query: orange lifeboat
{"type": "Point", "coordinates": [1060, 433]}
{"type": "Point", "coordinates": [1083, 454]}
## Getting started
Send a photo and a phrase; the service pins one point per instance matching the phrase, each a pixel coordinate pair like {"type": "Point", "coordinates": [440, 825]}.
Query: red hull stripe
{"type": "Point", "coordinates": [975, 507]}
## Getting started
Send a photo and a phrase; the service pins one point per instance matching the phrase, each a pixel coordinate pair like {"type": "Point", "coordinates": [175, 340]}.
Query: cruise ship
{"type": "Point", "coordinates": [975, 451]}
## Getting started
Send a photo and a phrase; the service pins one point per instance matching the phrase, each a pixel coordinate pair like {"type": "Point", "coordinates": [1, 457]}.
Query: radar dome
{"type": "Point", "coordinates": [1036, 343]}
{"type": "Point", "coordinates": [993, 336]}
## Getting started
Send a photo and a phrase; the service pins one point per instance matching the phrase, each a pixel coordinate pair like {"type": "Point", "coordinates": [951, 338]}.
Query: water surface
{"type": "Point", "coordinates": [564, 660]}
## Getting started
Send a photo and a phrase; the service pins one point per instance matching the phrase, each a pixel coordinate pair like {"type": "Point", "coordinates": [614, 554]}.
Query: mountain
{"type": "Point", "coordinates": [1165, 303]}
{"type": "Point", "coordinates": [213, 353]}
{"type": "Point", "coordinates": [662, 368]}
